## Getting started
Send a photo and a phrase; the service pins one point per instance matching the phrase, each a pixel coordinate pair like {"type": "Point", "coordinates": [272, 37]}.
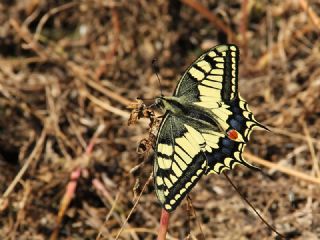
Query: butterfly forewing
{"type": "Point", "coordinates": [214, 75]}
{"type": "Point", "coordinates": [212, 82]}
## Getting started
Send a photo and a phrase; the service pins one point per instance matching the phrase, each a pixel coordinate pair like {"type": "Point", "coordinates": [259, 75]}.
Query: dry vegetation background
{"type": "Point", "coordinates": [68, 71]}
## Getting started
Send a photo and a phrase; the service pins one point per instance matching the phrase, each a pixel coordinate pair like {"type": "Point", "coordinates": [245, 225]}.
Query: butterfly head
{"type": "Point", "coordinates": [160, 103]}
{"type": "Point", "coordinates": [171, 104]}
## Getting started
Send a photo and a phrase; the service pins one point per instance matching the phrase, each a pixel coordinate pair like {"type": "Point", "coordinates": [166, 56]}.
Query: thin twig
{"type": "Point", "coordinates": [107, 107]}
{"type": "Point", "coordinates": [195, 214]}
{"type": "Point", "coordinates": [20, 61]}
{"type": "Point", "coordinates": [37, 149]}
{"type": "Point", "coordinates": [312, 150]}
{"type": "Point", "coordinates": [288, 133]}
{"type": "Point", "coordinates": [243, 28]}
{"type": "Point", "coordinates": [66, 199]}
{"type": "Point", "coordinates": [212, 18]}
{"type": "Point", "coordinates": [312, 15]}
{"type": "Point", "coordinates": [109, 93]}
{"type": "Point", "coordinates": [96, 85]}
{"type": "Point", "coordinates": [25, 34]}
{"type": "Point", "coordinates": [280, 168]}
{"type": "Point", "coordinates": [111, 54]}
{"type": "Point", "coordinates": [94, 138]}
{"type": "Point", "coordinates": [52, 12]}
{"type": "Point", "coordinates": [114, 204]}
{"type": "Point", "coordinates": [72, 184]}
{"type": "Point", "coordinates": [134, 206]}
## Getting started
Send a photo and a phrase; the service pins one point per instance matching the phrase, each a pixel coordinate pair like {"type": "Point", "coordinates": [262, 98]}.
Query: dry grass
{"type": "Point", "coordinates": [68, 71]}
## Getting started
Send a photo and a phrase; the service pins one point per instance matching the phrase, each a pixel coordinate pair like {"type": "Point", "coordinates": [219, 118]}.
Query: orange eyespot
{"type": "Point", "coordinates": [232, 134]}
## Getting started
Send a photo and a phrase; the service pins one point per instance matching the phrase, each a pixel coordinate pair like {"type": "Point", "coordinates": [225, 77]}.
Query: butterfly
{"type": "Point", "coordinates": [205, 127]}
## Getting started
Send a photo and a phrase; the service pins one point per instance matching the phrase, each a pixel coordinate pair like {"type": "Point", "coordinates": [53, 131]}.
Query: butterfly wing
{"type": "Point", "coordinates": [179, 162]}
{"type": "Point", "coordinates": [223, 153]}
{"type": "Point", "coordinates": [186, 148]}
{"type": "Point", "coordinates": [194, 143]}
{"type": "Point", "coordinates": [215, 71]}
{"type": "Point", "coordinates": [211, 82]}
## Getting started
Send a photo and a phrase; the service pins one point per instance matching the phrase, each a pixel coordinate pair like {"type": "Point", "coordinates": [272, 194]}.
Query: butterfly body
{"type": "Point", "coordinates": [178, 107]}
{"type": "Point", "coordinates": [205, 127]}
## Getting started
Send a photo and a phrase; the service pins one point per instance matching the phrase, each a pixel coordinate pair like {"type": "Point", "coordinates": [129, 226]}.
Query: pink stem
{"type": "Point", "coordinates": [164, 224]}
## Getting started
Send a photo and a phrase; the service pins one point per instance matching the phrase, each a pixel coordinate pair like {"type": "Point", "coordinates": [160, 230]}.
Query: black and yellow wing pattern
{"type": "Point", "coordinates": [212, 82]}
{"type": "Point", "coordinates": [179, 162]}
{"type": "Point", "coordinates": [193, 136]}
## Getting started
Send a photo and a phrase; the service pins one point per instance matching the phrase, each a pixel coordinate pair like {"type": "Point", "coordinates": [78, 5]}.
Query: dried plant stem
{"type": "Point", "coordinates": [65, 202]}
{"type": "Point", "coordinates": [134, 206]}
{"type": "Point", "coordinates": [212, 18]}
{"type": "Point", "coordinates": [243, 27]}
{"type": "Point", "coordinates": [72, 185]}
{"type": "Point", "coordinates": [280, 168]}
{"type": "Point", "coordinates": [101, 187]}
{"type": "Point", "coordinates": [312, 15]}
{"type": "Point", "coordinates": [286, 132]}
{"type": "Point", "coordinates": [111, 54]}
{"type": "Point", "coordinates": [195, 215]}
{"type": "Point", "coordinates": [312, 150]}
{"type": "Point", "coordinates": [107, 107]}
{"type": "Point", "coordinates": [52, 12]}
{"type": "Point", "coordinates": [32, 156]}
{"type": "Point", "coordinates": [86, 77]}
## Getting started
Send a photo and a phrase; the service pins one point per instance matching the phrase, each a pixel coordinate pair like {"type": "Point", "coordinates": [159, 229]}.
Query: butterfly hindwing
{"type": "Point", "coordinates": [226, 157]}
{"type": "Point", "coordinates": [242, 119]}
{"type": "Point", "coordinates": [220, 151]}
{"type": "Point", "coordinates": [187, 148]}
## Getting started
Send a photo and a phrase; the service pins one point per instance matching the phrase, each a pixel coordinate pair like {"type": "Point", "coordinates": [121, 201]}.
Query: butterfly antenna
{"type": "Point", "coordinates": [156, 70]}
{"type": "Point", "coordinates": [143, 99]}
{"type": "Point", "coordinates": [253, 208]}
